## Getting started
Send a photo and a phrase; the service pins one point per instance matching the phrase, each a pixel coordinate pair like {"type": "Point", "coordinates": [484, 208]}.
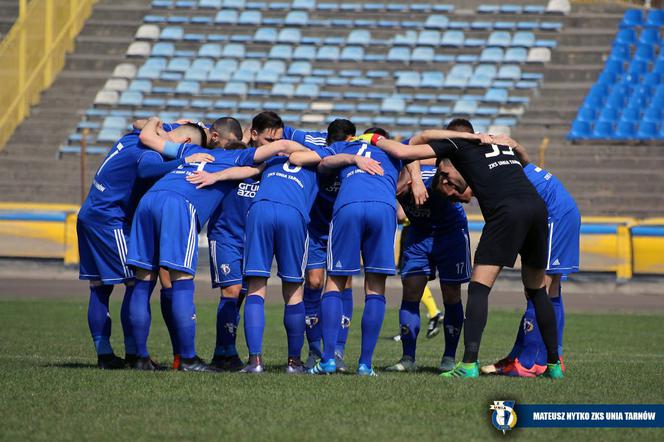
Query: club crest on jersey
{"type": "Point", "coordinates": [225, 269]}
{"type": "Point", "coordinates": [504, 416]}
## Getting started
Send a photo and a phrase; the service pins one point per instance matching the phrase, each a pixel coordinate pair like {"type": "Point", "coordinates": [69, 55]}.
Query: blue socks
{"type": "Point", "coordinates": [331, 308]}
{"type": "Point", "coordinates": [254, 323]}
{"type": "Point", "coordinates": [295, 326]}
{"type": "Point", "coordinates": [129, 341]}
{"type": "Point", "coordinates": [409, 322]}
{"type": "Point", "coordinates": [372, 321]}
{"type": "Point", "coordinates": [227, 322]}
{"type": "Point", "coordinates": [184, 317]}
{"type": "Point", "coordinates": [140, 315]}
{"type": "Point", "coordinates": [534, 351]}
{"type": "Point", "coordinates": [559, 310]}
{"type": "Point", "coordinates": [347, 317]}
{"type": "Point", "coordinates": [166, 300]}
{"type": "Point", "coordinates": [312, 299]}
{"type": "Point", "coordinates": [99, 318]}
{"type": "Point", "coordinates": [452, 324]}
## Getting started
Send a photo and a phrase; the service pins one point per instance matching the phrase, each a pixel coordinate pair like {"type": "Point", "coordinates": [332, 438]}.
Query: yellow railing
{"type": "Point", "coordinates": [33, 53]}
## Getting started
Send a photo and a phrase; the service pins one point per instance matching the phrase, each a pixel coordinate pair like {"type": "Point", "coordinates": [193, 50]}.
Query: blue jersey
{"type": "Point", "coordinates": [323, 208]}
{"type": "Point", "coordinates": [228, 220]}
{"type": "Point", "coordinates": [207, 199]}
{"type": "Point", "coordinates": [112, 198]}
{"type": "Point", "coordinates": [437, 213]}
{"type": "Point", "coordinates": [292, 185]}
{"type": "Point", "coordinates": [359, 186]}
{"type": "Point", "coordinates": [558, 200]}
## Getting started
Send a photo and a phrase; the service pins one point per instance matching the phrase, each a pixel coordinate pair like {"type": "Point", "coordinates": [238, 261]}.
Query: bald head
{"type": "Point", "coordinates": [189, 133]}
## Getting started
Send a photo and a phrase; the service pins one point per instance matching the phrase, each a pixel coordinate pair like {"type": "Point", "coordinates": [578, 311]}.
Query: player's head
{"type": "Point", "coordinates": [235, 145]}
{"type": "Point", "coordinates": [187, 133]}
{"type": "Point", "coordinates": [379, 131]}
{"type": "Point", "coordinates": [223, 131]}
{"type": "Point", "coordinates": [340, 130]}
{"type": "Point", "coordinates": [266, 127]}
{"type": "Point", "coordinates": [460, 125]}
{"type": "Point", "coordinates": [449, 182]}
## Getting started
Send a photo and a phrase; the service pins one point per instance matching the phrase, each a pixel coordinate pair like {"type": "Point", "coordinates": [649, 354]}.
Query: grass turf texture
{"type": "Point", "coordinates": [50, 389]}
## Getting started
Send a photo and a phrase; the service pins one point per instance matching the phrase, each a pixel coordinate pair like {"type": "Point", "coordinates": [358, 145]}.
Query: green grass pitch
{"type": "Point", "coordinates": [50, 391]}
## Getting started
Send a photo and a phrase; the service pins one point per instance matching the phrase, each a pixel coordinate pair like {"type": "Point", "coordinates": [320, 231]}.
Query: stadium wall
{"type": "Point", "coordinates": [621, 245]}
{"type": "Point", "coordinates": [35, 48]}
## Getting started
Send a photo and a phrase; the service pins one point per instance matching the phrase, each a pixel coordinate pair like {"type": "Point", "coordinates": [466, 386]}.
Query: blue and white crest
{"type": "Point", "coordinates": [504, 416]}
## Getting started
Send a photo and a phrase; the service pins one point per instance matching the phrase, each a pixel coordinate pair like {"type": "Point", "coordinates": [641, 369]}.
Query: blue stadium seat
{"type": "Point", "coordinates": [236, 88]}
{"type": "Point", "coordinates": [109, 135]}
{"type": "Point", "coordinates": [252, 18]}
{"type": "Point", "coordinates": [178, 64]}
{"type": "Point", "coordinates": [509, 72]}
{"type": "Point", "coordinates": [620, 52]}
{"type": "Point", "coordinates": [162, 49]}
{"type": "Point", "coordinates": [276, 66]}
{"type": "Point", "coordinates": [580, 130]}
{"type": "Point", "coordinates": [305, 52]}
{"type": "Point", "coordinates": [638, 67]}
{"type": "Point", "coordinates": [464, 107]}
{"type": "Point", "coordinates": [289, 35]}
{"type": "Point", "coordinates": [648, 36]}
{"type": "Point", "coordinates": [534, 9]}
{"type": "Point", "coordinates": [234, 4]}
{"type": "Point", "coordinates": [653, 114]}
{"type": "Point", "coordinates": [393, 104]}
{"type": "Point", "coordinates": [409, 38]}
{"type": "Point", "coordinates": [297, 18]}
{"type": "Point", "coordinates": [644, 52]}
{"type": "Point", "coordinates": [352, 53]}
{"type": "Point", "coordinates": [655, 18]}
{"type": "Point", "coordinates": [328, 53]}
{"type": "Point", "coordinates": [299, 68]}
{"type": "Point", "coordinates": [119, 123]}
{"type": "Point", "coordinates": [626, 36]}
{"type": "Point", "coordinates": [429, 38]}
{"type": "Point", "coordinates": [609, 114]}
{"type": "Point", "coordinates": [491, 55]}
{"type": "Point", "coordinates": [131, 98]}
{"type": "Point", "coordinates": [494, 95]}
{"type": "Point", "coordinates": [499, 38]}
{"type": "Point", "coordinates": [359, 37]}
{"type": "Point", "coordinates": [423, 54]}
{"type": "Point", "coordinates": [602, 130]}
{"type": "Point", "coordinates": [283, 90]}
{"type": "Point", "coordinates": [631, 18]}
{"type": "Point", "coordinates": [148, 72]}
{"type": "Point", "coordinates": [647, 130]}
{"type": "Point", "coordinates": [204, 64]}
{"type": "Point", "coordinates": [586, 114]}
{"type": "Point", "coordinates": [524, 39]}
{"type": "Point", "coordinates": [488, 9]}
{"type": "Point", "coordinates": [265, 35]}
{"type": "Point", "coordinates": [504, 25]}
{"type": "Point", "coordinates": [281, 52]}
{"type": "Point", "coordinates": [210, 4]}
{"type": "Point", "coordinates": [196, 74]}
{"type": "Point", "coordinates": [144, 86]}
{"type": "Point", "coordinates": [408, 79]}
{"type": "Point", "coordinates": [172, 33]}
{"type": "Point", "coordinates": [436, 21]}
{"type": "Point", "coordinates": [201, 104]}
{"type": "Point", "coordinates": [233, 50]}
{"type": "Point", "coordinates": [432, 79]}
{"type": "Point", "coordinates": [625, 130]}
{"type": "Point", "coordinates": [398, 54]}
{"type": "Point", "coordinates": [304, 4]}
{"type": "Point", "coordinates": [506, 8]}
{"type": "Point", "coordinates": [515, 55]}
{"type": "Point", "coordinates": [210, 50]}
{"type": "Point", "coordinates": [226, 17]}
{"type": "Point", "coordinates": [452, 38]}
{"type": "Point", "coordinates": [307, 90]}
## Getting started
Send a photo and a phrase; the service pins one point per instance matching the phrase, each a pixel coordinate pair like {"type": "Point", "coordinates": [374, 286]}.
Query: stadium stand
{"type": "Point", "coordinates": [520, 67]}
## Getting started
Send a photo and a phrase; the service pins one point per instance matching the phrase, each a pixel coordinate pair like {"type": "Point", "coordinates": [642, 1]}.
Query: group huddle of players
{"type": "Point", "coordinates": [324, 205]}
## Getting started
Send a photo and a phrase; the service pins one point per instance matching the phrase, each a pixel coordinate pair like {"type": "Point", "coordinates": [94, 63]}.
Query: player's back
{"type": "Point", "coordinates": [492, 172]}
{"type": "Point", "coordinates": [558, 200]}
{"type": "Point", "coordinates": [206, 199]}
{"type": "Point", "coordinates": [110, 198]}
{"type": "Point", "coordinates": [437, 213]}
{"type": "Point", "coordinates": [359, 186]}
{"type": "Point", "coordinates": [228, 220]}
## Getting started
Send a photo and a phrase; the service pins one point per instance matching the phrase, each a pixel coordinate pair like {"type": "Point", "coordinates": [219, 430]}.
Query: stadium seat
{"type": "Point", "coordinates": [409, 38]}
{"type": "Point", "coordinates": [625, 130]}
{"type": "Point", "coordinates": [297, 18]}
{"type": "Point", "coordinates": [500, 39]}
{"type": "Point", "coordinates": [236, 88]}
{"type": "Point", "coordinates": [116, 84]}
{"type": "Point", "coordinates": [558, 6]}
{"type": "Point", "coordinates": [452, 38]}
{"type": "Point", "coordinates": [422, 54]}
{"type": "Point", "coordinates": [210, 4]}
{"type": "Point", "coordinates": [306, 90]}
{"type": "Point", "coordinates": [359, 37]}
{"type": "Point", "coordinates": [283, 90]}
{"type": "Point", "coordinates": [131, 98]}
{"type": "Point", "coordinates": [631, 18]}
{"type": "Point", "coordinates": [645, 52]}
{"type": "Point", "coordinates": [233, 50]}
{"type": "Point", "coordinates": [172, 33]}
{"type": "Point", "coordinates": [539, 55]}
{"type": "Point", "coordinates": [252, 18]}
{"type": "Point", "coordinates": [408, 79]}
{"type": "Point", "coordinates": [579, 130]}
{"type": "Point", "coordinates": [226, 17]}
{"type": "Point", "coordinates": [393, 104]}
{"type": "Point", "coordinates": [234, 4]}
{"type": "Point", "coordinates": [328, 53]}
{"type": "Point", "coordinates": [464, 107]}
{"type": "Point", "coordinates": [655, 18]}
{"type": "Point", "coordinates": [178, 64]}
{"type": "Point", "coordinates": [398, 54]}
{"type": "Point", "coordinates": [491, 55]}
{"type": "Point", "coordinates": [147, 32]}
{"type": "Point", "coordinates": [289, 35]}
{"type": "Point", "coordinates": [509, 72]}
{"type": "Point", "coordinates": [515, 55]}
{"type": "Point", "coordinates": [496, 96]}
{"type": "Point", "coordinates": [265, 35]}
{"type": "Point", "coordinates": [436, 21]}
{"type": "Point", "coordinates": [304, 53]}
{"type": "Point", "coordinates": [432, 79]}
{"type": "Point", "coordinates": [281, 52]}
{"type": "Point", "coordinates": [429, 38]}
{"type": "Point", "coordinates": [139, 49]}
{"type": "Point", "coordinates": [299, 68]}
{"type": "Point", "coordinates": [304, 4]}
{"type": "Point", "coordinates": [647, 130]}
{"type": "Point", "coordinates": [524, 39]}
{"type": "Point", "coordinates": [352, 53]}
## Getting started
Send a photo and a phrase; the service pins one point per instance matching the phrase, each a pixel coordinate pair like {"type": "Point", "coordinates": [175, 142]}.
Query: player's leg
{"type": "Point", "coordinates": [378, 238]}
{"type": "Point", "coordinates": [409, 320]}
{"type": "Point", "coordinates": [313, 290]}
{"type": "Point", "coordinates": [258, 254]}
{"type": "Point", "coordinates": [291, 246]}
{"type": "Point", "coordinates": [342, 261]}
{"type": "Point", "coordinates": [555, 289]}
{"type": "Point", "coordinates": [166, 303]}
{"type": "Point", "coordinates": [344, 327]}
{"type": "Point", "coordinates": [433, 313]}
{"type": "Point", "coordinates": [140, 316]}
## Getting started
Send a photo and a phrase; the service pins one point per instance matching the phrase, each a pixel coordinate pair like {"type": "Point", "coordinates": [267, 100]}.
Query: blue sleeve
{"type": "Point", "coordinates": [170, 126]}
{"type": "Point", "coordinates": [312, 140]}
{"type": "Point", "coordinates": [325, 151]}
{"type": "Point", "coordinates": [151, 165]}
{"type": "Point", "coordinates": [245, 157]}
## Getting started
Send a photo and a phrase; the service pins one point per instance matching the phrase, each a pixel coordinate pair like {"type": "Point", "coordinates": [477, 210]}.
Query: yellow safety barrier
{"type": "Point", "coordinates": [33, 53]}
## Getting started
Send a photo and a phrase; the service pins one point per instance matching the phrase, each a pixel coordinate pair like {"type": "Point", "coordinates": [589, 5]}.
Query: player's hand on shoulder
{"type": "Point", "coordinates": [368, 165]}
{"type": "Point", "coordinates": [199, 158]}
{"type": "Point", "coordinates": [202, 179]}
{"type": "Point", "coordinates": [485, 139]}
{"type": "Point", "coordinates": [503, 140]}
{"type": "Point", "coordinates": [420, 193]}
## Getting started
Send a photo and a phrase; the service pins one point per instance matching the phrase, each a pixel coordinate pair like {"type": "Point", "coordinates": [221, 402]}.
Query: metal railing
{"type": "Point", "coordinates": [33, 53]}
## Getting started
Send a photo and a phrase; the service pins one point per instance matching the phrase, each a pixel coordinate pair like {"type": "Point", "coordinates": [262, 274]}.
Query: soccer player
{"type": "Point", "coordinates": [165, 234]}
{"type": "Point", "coordinates": [516, 224]}
{"type": "Point", "coordinates": [437, 239]}
{"type": "Point", "coordinates": [226, 232]}
{"type": "Point", "coordinates": [103, 226]}
{"type": "Point", "coordinates": [528, 356]}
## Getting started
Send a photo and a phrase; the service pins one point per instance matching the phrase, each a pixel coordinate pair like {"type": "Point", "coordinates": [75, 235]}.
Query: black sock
{"type": "Point", "coordinates": [546, 321]}
{"type": "Point", "coordinates": [477, 310]}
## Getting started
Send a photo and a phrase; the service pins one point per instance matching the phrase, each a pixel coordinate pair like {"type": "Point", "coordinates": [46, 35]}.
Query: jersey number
{"type": "Point", "coordinates": [288, 167]}
{"type": "Point", "coordinates": [496, 151]}
{"type": "Point", "coordinates": [363, 151]}
{"type": "Point", "coordinates": [118, 149]}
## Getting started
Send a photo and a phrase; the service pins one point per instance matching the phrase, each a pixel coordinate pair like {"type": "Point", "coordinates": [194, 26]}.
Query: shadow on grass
{"type": "Point", "coordinates": [74, 365]}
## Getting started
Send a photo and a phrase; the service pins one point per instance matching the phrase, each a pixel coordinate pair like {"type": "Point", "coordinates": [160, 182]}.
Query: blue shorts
{"type": "Point", "coordinates": [275, 230]}
{"type": "Point", "coordinates": [164, 233]}
{"type": "Point", "coordinates": [103, 253]}
{"type": "Point", "coordinates": [564, 233]}
{"type": "Point", "coordinates": [317, 253]}
{"type": "Point", "coordinates": [225, 263]}
{"type": "Point", "coordinates": [367, 228]}
{"type": "Point", "coordinates": [448, 252]}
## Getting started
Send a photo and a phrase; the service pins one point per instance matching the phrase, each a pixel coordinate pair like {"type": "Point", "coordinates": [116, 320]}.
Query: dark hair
{"type": "Point", "coordinates": [227, 128]}
{"type": "Point", "coordinates": [235, 145]}
{"type": "Point", "coordinates": [266, 120]}
{"type": "Point", "coordinates": [339, 130]}
{"type": "Point", "coordinates": [460, 125]}
{"type": "Point", "coordinates": [379, 131]}
{"type": "Point", "coordinates": [201, 132]}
